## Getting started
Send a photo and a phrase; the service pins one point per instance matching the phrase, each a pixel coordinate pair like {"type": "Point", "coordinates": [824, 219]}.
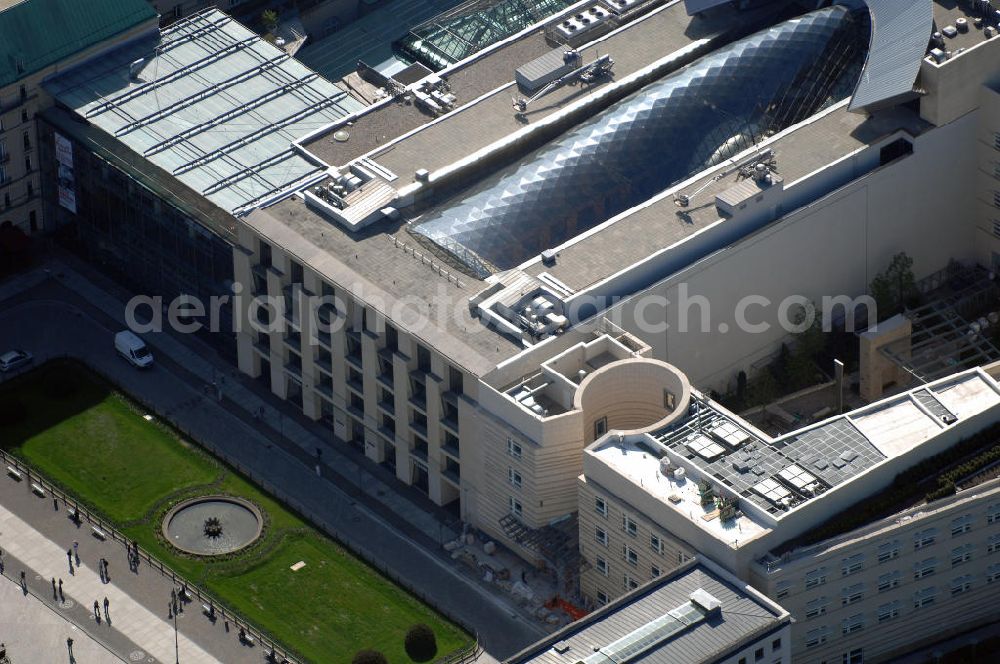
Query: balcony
{"type": "Point", "coordinates": [388, 404]}
{"type": "Point", "coordinates": [294, 371]}
{"type": "Point", "coordinates": [356, 383]}
{"type": "Point", "coordinates": [325, 391]}
{"type": "Point", "coordinates": [263, 346]}
{"type": "Point", "coordinates": [453, 473]}
{"type": "Point", "coordinates": [353, 354]}
{"type": "Point", "coordinates": [451, 448]}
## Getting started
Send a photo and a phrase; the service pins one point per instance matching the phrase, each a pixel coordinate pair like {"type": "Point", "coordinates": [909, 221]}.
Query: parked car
{"type": "Point", "coordinates": [132, 348]}
{"type": "Point", "coordinates": [15, 359]}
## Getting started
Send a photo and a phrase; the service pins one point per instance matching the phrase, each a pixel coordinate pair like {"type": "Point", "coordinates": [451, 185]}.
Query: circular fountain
{"type": "Point", "coordinates": [212, 525]}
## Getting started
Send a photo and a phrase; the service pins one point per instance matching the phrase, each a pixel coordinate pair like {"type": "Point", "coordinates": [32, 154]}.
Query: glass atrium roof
{"type": "Point", "coordinates": [706, 113]}
{"type": "Point", "coordinates": [471, 27]}
{"type": "Point", "coordinates": [210, 102]}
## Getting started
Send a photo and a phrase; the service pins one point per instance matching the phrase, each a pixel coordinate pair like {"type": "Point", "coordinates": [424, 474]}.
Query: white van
{"type": "Point", "coordinates": [133, 349]}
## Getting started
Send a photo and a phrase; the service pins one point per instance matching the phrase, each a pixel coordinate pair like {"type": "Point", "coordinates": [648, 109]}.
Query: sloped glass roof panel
{"type": "Point", "coordinates": [210, 102]}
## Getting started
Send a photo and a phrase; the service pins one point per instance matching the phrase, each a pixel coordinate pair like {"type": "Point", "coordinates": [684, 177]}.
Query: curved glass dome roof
{"type": "Point", "coordinates": [669, 130]}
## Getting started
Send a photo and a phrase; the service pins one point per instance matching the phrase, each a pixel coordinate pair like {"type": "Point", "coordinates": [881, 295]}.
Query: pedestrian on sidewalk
{"type": "Point", "coordinates": [62, 598]}
{"type": "Point", "coordinates": [69, 557]}
{"type": "Point", "coordinates": [55, 504]}
{"type": "Point", "coordinates": [54, 595]}
{"type": "Point", "coordinates": [97, 611]}
{"type": "Point", "coordinates": [100, 569]}
{"type": "Point", "coordinates": [76, 552]}
{"type": "Point", "coordinates": [107, 614]}
{"type": "Point", "coordinates": [107, 575]}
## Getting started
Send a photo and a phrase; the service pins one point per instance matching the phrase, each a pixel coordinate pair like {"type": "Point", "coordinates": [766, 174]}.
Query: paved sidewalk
{"type": "Point", "coordinates": [35, 539]}
{"type": "Point", "coordinates": [41, 556]}
{"type": "Point", "coordinates": [35, 633]}
{"type": "Point", "coordinates": [348, 499]}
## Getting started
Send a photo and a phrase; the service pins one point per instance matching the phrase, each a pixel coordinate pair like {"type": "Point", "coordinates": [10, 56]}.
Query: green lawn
{"type": "Point", "coordinates": [96, 444]}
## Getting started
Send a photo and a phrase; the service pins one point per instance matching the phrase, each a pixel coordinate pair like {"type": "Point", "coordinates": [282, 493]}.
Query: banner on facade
{"type": "Point", "coordinates": [67, 183]}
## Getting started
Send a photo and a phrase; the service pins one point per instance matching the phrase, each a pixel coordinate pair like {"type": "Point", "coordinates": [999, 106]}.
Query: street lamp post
{"type": "Point", "coordinates": [177, 651]}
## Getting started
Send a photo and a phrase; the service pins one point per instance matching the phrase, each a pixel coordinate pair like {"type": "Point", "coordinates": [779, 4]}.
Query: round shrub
{"type": "Point", "coordinates": [369, 657]}
{"type": "Point", "coordinates": [420, 643]}
{"type": "Point", "coordinates": [11, 412]}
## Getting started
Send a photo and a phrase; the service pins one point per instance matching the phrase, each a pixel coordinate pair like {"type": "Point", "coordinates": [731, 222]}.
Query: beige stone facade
{"type": "Point", "coordinates": [920, 576]}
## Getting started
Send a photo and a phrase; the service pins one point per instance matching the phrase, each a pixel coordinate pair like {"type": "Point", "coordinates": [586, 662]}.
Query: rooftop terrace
{"type": "Point", "coordinates": [772, 477]}
{"type": "Point", "coordinates": [484, 85]}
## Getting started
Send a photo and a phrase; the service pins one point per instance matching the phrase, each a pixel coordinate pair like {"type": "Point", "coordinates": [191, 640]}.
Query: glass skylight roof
{"type": "Point", "coordinates": [701, 115]}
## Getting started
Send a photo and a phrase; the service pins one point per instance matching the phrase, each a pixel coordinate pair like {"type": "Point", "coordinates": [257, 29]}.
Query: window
{"type": "Point", "coordinates": [601, 536]}
{"type": "Point", "coordinates": [924, 597]}
{"type": "Point", "coordinates": [629, 525]}
{"type": "Point", "coordinates": [513, 448]}
{"type": "Point", "coordinates": [961, 554]}
{"type": "Point", "coordinates": [655, 543]}
{"type": "Point", "coordinates": [629, 583]}
{"type": "Point", "coordinates": [24, 115]}
{"type": "Point", "coordinates": [852, 594]}
{"type": "Point", "coordinates": [996, 228]}
{"type": "Point", "coordinates": [962, 524]}
{"type": "Point", "coordinates": [887, 611]}
{"type": "Point", "coordinates": [961, 584]}
{"type": "Point", "coordinates": [816, 607]}
{"type": "Point", "coordinates": [27, 163]}
{"type": "Point", "coordinates": [26, 140]}
{"type": "Point", "coordinates": [993, 513]}
{"type": "Point", "coordinates": [855, 623]}
{"type": "Point", "coordinates": [924, 568]}
{"type": "Point", "coordinates": [602, 598]}
{"type": "Point", "coordinates": [782, 588]}
{"type": "Point", "coordinates": [601, 506]}
{"type": "Point", "coordinates": [515, 506]}
{"type": "Point", "coordinates": [775, 645]}
{"type": "Point", "coordinates": [856, 656]}
{"type": "Point", "coordinates": [600, 427]}
{"type": "Point", "coordinates": [817, 577]}
{"type": "Point", "coordinates": [993, 544]}
{"type": "Point", "coordinates": [654, 571]}
{"type": "Point", "coordinates": [815, 637]}
{"type": "Point", "coordinates": [514, 478]}
{"type": "Point", "coordinates": [888, 551]}
{"type": "Point", "coordinates": [924, 538]}
{"type": "Point", "coordinates": [888, 581]}
{"type": "Point", "coordinates": [602, 566]}
{"type": "Point", "coordinates": [629, 555]}
{"type": "Point", "coordinates": [992, 573]}
{"type": "Point", "coordinates": [853, 564]}
{"type": "Point", "coordinates": [758, 654]}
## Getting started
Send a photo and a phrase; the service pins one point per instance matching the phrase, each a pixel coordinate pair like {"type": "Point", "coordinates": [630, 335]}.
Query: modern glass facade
{"type": "Point", "coordinates": [145, 237]}
{"type": "Point", "coordinates": [706, 113]}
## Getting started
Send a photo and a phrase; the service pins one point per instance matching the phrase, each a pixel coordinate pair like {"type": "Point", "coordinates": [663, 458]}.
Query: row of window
{"type": "Point", "coordinates": [921, 540]}
{"type": "Point", "coordinates": [890, 610]}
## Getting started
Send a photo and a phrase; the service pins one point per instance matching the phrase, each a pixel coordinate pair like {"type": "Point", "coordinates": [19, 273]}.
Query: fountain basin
{"type": "Point", "coordinates": [239, 524]}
